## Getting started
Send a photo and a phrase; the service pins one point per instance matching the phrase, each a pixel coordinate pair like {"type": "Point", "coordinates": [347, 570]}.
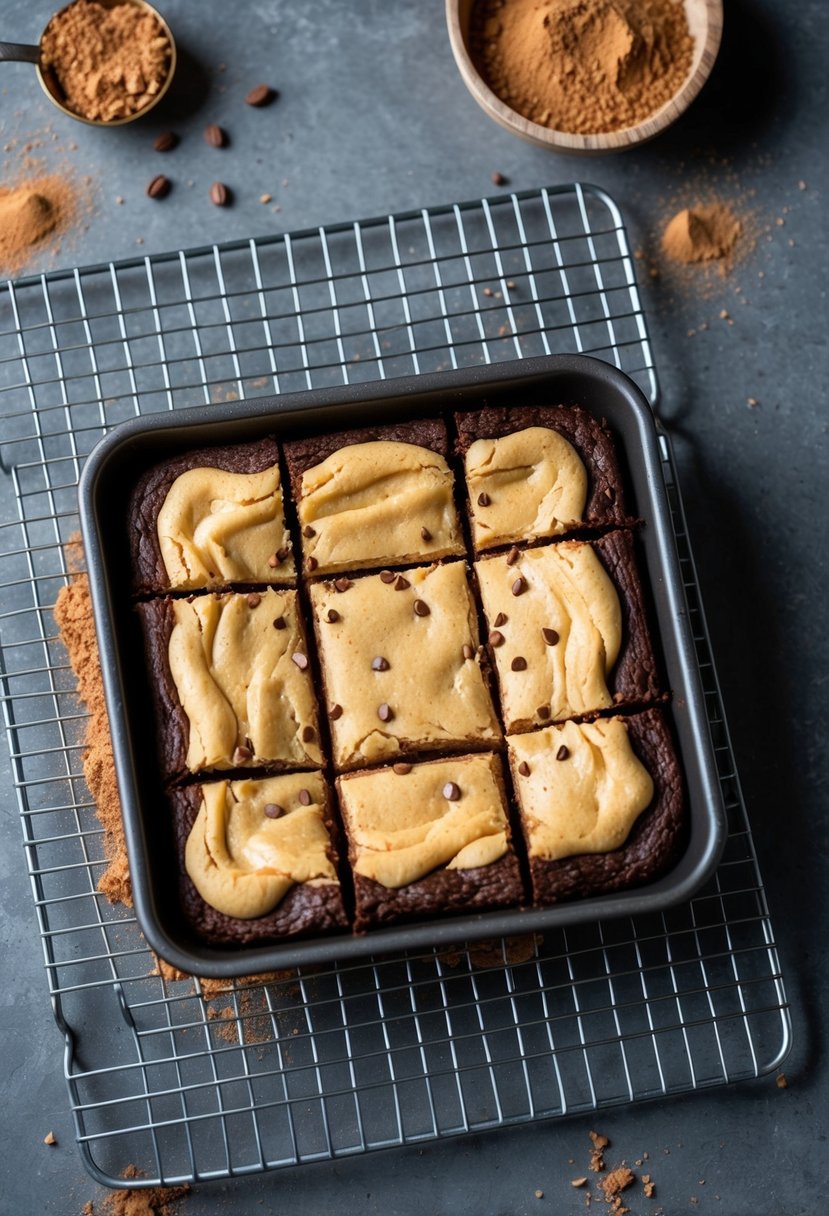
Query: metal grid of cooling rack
{"type": "Point", "coordinates": [189, 1084]}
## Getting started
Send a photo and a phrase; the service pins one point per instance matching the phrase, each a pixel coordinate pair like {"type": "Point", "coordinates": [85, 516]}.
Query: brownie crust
{"type": "Point", "coordinates": [172, 728]}
{"type": "Point", "coordinates": [635, 677]}
{"type": "Point", "coordinates": [656, 840]}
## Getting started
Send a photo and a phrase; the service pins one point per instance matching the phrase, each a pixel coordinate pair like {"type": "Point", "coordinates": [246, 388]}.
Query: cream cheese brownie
{"type": "Point", "coordinates": [258, 858]}
{"type": "Point", "coordinates": [567, 630]}
{"type": "Point", "coordinates": [538, 471]}
{"type": "Point", "coordinates": [601, 804]}
{"type": "Point", "coordinates": [231, 681]}
{"type": "Point", "coordinates": [400, 665]}
{"type": "Point", "coordinates": [429, 839]}
{"type": "Point", "coordinates": [375, 497]}
{"type": "Point", "coordinates": [210, 518]}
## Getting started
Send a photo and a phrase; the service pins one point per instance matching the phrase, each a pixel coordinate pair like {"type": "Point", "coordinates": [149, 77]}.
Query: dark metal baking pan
{"type": "Point", "coordinates": [108, 476]}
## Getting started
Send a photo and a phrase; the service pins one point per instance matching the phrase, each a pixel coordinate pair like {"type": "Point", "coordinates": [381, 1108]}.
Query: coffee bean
{"type": "Point", "coordinates": [279, 623]}
{"type": "Point", "coordinates": [304, 797]}
{"type": "Point", "coordinates": [273, 810]}
{"type": "Point", "coordinates": [261, 95]}
{"type": "Point", "coordinates": [550, 637]}
{"type": "Point", "coordinates": [563, 752]}
{"type": "Point", "coordinates": [241, 754]}
{"type": "Point", "coordinates": [342, 584]}
{"type": "Point", "coordinates": [421, 608]}
{"type": "Point", "coordinates": [308, 531]}
{"type": "Point", "coordinates": [519, 586]}
{"type": "Point", "coordinates": [336, 711]}
{"type": "Point", "coordinates": [159, 187]}
{"type": "Point", "coordinates": [165, 142]}
{"type": "Point", "coordinates": [301, 660]}
{"type": "Point", "coordinates": [332, 616]}
{"type": "Point", "coordinates": [380, 664]}
{"type": "Point", "coordinates": [311, 564]}
{"type": "Point", "coordinates": [219, 194]}
{"type": "Point", "coordinates": [387, 576]}
{"type": "Point", "coordinates": [519, 663]}
{"type": "Point", "coordinates": [498, 179]}
{"type": "Point", "coordinates": [483, 499]}
{"type": "Point", "coordinates": [385, 712]}
{"type": "Point", "coordinates": [451, 791]}
{"type": "Point", "coordinates": [308, 734]}
{"type": "Point", "coordinates": [401, 769]}
{"type": "Point", "coordinates": [513, 556]}
{"type": "Point", "coordinates": [215, 136]}
{"type": "Point", "coordinates": [425, 534]}
{"type": "Point", "coordinates": [254, 599]}
{"type": "Point", "coordinates": [501, 619]}
{"type": "Point", "coordinates": [468, 652]}
{"type": "Point", "coordinates": [543, 711]}
{"type": "Point", "coordinates": [496, 638]}
{"type": "Point", "coordinates": [524, 768]}
{"type": "Point", "coordinates": [401, 583]}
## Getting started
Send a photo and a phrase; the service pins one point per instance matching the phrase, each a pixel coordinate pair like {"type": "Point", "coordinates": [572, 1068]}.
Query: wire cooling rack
{"type": "Point", "coordinates": [330, 1062]}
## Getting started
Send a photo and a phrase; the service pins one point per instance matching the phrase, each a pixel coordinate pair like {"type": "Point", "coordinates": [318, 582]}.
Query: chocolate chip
{"type": "Point", "coordinates": [496, 638]}
{"type": "Point", "coordinates": [421, 608]}
{"type": "Point", "coordinates": [501, 619]}
{"type": "Point", "coordinates": [498, 179]}
{"type": "Point", "coordinates": [274, 560]}
{"type": "Point", "coordinates": [468, 652]}
{"type": "Point", "coordinates": [219, 194]}
{"type": "Point", "coordinates": [159, 187]}
{"type": "Point", "coordinates": [332, 616]}
{"type": "Point", "coordinates": [425, 534]}
{"type": "Point", "coordinates": [401, 583]}
{"type": "Point", "coordinates": [550, 637]}
{"type": "Point", "coordinates": [513, 556]}
{"type": "Point", "coordinates": [254, 599]}
{"type": "Point", "coordinates": [519, 586]}
{"type": "Point", "coordinates": [519, 663]}
{"type": "Point", "coordinates": [241, 754]}
{"type": "Point", "coordinates": [336, 711]}
{"type": "Point", "coordinates": [308, 531]}
{"type": "Point", "coordinates": [214, 135]}
{"type": "Point", "coordinates": [385, 712]}
{"type": "Point", "coordinates": [261, 95]}
{"type": "Point", "coordinates": [165, 142]}
{"type": "Point", "coordinates": [543, 711]}
{"type": "Point", "coordinates": [311, 563]}
{"type": "Point", "coordinates": [380, 664]}
{"type": "Point", "coordinates": [524, 768]}
{"type": "Point", "coordinates": [387, 576]}
{"type": "Point", "coordinates": [401, 769]}
{"type": "Point", "coordinates": [304, 797]}
{"type": "Point", "coordinates": [563, 752]}
{"type": "Point", "coordinates": [483, 499]}
{"type": "Point", "coordinates": [283, 554]}
{"type": "Point", "coordinates": [342, 584]}
{"type": "Point", "coordinates": [301, 660]}
{"type": "Point", "coordinates": [451, 791]}
{"type": "Point", "coordinates": [308, 734]}
{"type": "Point", "coordinates": [280, 623]}
{"type": "Point", "coordinates": [273, 810]}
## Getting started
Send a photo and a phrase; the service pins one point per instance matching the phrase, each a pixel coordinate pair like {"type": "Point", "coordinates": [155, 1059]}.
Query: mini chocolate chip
{"type": "Point", "coordinates": [282, 554]}
{"type": "Point", "coordinates": [543, 711]}
{"type": "Point", "coordinates": [273, 561]}
{"type": "Point", "coordinates": [483, 499]}
{"type": "Point", "coordinates": [496, 638]}
{"type": "Point", "coordinates": [159, 186]}
{"type": "Point", "coordinates": [261, 95]}
{"type": "Point", "coordinates": [241, 754]}
{"type": "Point", "coordinates": [498, 179]}
{"type": "Point", "coordinates": [550, 637]}
{"type": "Point", "coordinates": [379, 664]}
{"type": "Point", "coordinates": [421, 608]}
{"type": "Point", "coordinates": [311, 563]}
{"type": "Point", "coordinates": [513, 556]}
{"type": "Point", "coordinates": [385, 712]}
{"type": "Point", "coordinates": [280, 623]}
{"type": "Point", "coordinates": [563, 752]}
{"type": "Point", "coordinates": [332, 616]}
{"type": "Point", "coordinates": [524, 768]}
{"type": "Point", "coordinates": [519, 586]}
{"type": "Point", "coordinates": [401, 583]}
{"type": "Point", "coordinates": [165, 142]}
{"type": "Point", "coordinates": [273, 810]}
{"type": "Point", "coordinates": [401, 769]}
{"type": "Point", "coordinates": [219, 194]}
{"type": "Point", "coordinates": [304, 797]}
{"type": "Point", "coordinates": [425, 534]}
{"type": "Point", "coordinates": [468, 652]}
{"type": "Point", "coordinates": [336, 711]}
{"type": "Point", "coordinates": [214, 135]}
{"type": "Point", "coordinates": [309, 531]}
{"type": "Point", "coordinates": [254, 599]}
{"type": "Point", "coordinates": [308, 734]}
{"type": "Point", "coordinates": [519, 663]}
{"type": "Point", "coordinates": [501, 619]}
{"type": "Point", "coordinates": [387, 576]}
{"type": "Point", "coordinates": [301, 660]}
{"type": "Point", "coordinates": [342, 584]}
{"type": "Point", "coordinates": [451, 791]}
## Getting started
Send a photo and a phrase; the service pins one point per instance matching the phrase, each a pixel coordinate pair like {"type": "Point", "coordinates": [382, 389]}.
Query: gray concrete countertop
{"type": "Point", "coordinates": [372, 118]}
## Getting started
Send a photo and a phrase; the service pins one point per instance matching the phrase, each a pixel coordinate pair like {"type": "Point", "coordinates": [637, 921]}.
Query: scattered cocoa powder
{"type": "Point", "coordinates": [34, 212]}
{"type": "Point", "coordinates": [600, 1143]}
{"type": "Point", "coordinates": [110, 62]}
{"type": "Point", "coordinates": [143, 1201]}
{"type": "Point", "coordinates": [703, 233]}
{"type": "Point", "coordinates": [583, 66]}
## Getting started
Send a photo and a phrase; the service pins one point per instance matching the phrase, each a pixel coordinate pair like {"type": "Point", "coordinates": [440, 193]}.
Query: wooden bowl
{"type": "Point", "coordinates": [705, 18]}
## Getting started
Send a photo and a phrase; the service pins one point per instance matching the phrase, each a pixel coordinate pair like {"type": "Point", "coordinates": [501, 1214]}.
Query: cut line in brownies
{"type": "Point", "coordinates": [375, 671]}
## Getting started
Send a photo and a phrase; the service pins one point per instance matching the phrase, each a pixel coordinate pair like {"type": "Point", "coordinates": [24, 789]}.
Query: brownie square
{"type": "Point", "coordinates": [400, 665]}
{"type": "Point", "coordinates": [257, 859]}
{"type": "Point", "coordinates": [429, 840]}
{"type": "Point", "coordinates": [209, 518]}
{"type": "Point", "coordinates": [378, 496]}
{"type": "Point", "coordinates": [601, 803]}
{"type": "Point", "coordinates": [568, 631]}
{"type": "Point", "coordinates": [538, 471]}
{"type": "Point", "coordinates": [231, 682]}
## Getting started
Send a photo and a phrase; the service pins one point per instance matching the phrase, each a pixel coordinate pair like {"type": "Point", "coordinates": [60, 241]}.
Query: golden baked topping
{"type": "Point", "coordinates": [254, 840]}
{"type": "Point", "coordinates": [216, 527]}
{"type": "Point", "coordinates": [580, 787]}
{"type": "Point", "coordinates": [246, 699]}
{"type": "Point", "coordinates": [562, 636]}
{"type": "Point", "coordinates": [526, 485]}
{"type": "Point", "coordinates": [378, 502]}
{"type": "Point", "coordinates": [401, 830]}
{"type": "Point", "coordinates": [423, 692]}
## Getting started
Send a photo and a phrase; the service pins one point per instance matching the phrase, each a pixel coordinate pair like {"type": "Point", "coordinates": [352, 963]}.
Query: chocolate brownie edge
{"type": "Point", "coordinates": [635, 677]}
{"type": "Point", "coordinates": [171, 725]}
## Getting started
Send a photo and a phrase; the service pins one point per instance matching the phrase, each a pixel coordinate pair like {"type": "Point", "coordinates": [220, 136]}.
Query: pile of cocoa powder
{"type": "Point", "coordinates": [35, 212]}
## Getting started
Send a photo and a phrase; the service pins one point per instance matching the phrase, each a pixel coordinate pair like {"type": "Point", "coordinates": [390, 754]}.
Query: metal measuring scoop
{"type": "Point", "coordinates": [22, 52]}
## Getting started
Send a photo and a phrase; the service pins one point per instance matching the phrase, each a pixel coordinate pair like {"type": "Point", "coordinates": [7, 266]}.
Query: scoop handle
{"type": "Point", "coordinates": [19, 51]}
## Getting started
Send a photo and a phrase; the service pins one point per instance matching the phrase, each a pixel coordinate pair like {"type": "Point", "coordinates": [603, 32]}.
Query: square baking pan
{"type": "Point", "coordinates": [106, 482]}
